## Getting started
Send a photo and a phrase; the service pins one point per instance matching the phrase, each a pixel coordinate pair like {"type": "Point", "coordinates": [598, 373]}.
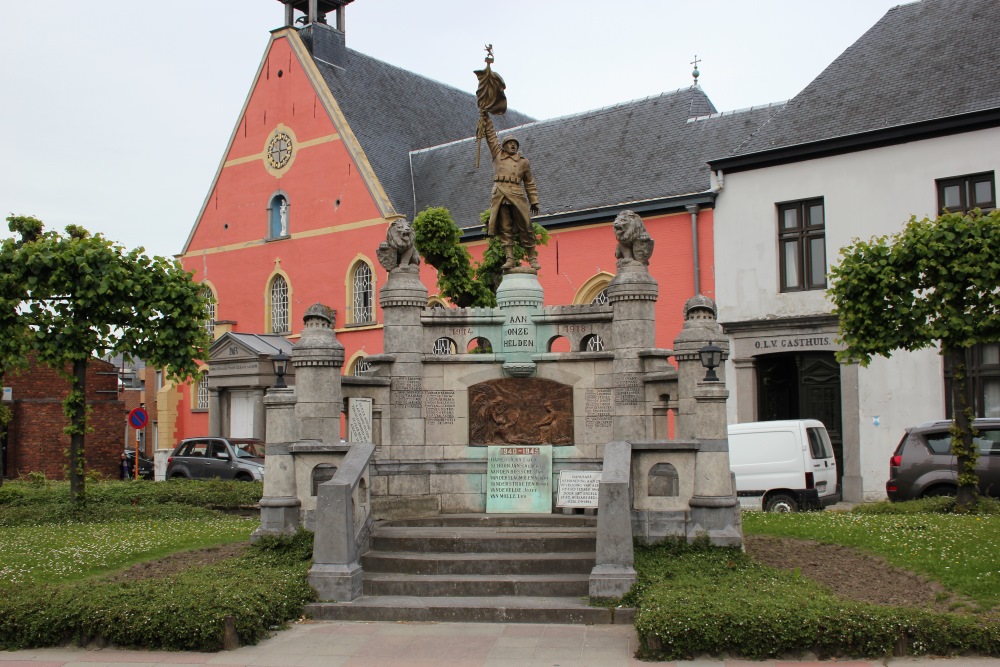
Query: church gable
{"type": "Point", "coordinates": [288, 168]}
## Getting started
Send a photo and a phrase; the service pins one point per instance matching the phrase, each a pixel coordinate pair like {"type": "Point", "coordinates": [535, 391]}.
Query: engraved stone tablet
{"type": "Point", "coordinates": [519, 480]}
{"type": "Point", "coordinates": [439, 406]}
{"type": "Point", "coordinates": [578, 488]}
{"type": "Point", "coordinates": [359, 420]}
{"type": "Point", "coordinates": [600, 408]}
{"type": "Point", "coordinates": [627, 387]}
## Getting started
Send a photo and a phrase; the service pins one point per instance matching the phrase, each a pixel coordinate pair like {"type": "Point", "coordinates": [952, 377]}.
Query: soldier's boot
{"type": "Point", "coordinates": [510, 263]}
{"type": "Point", "coordinates": [533, 259]}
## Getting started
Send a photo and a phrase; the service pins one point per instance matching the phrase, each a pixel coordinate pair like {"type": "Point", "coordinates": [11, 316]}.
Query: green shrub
{"type": "Point", "coordinates": [696, 599]}
{"type": "Point", "coordinates": [49, 502]}
{"type": "Point", "coordinates": [260, 590]}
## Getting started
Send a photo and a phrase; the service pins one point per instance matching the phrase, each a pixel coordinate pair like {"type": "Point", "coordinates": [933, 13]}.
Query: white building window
{"type": "Point", "coordinates": [363, 310]}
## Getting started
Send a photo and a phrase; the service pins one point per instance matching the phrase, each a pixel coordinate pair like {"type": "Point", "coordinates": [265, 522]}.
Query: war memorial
{"type": "Point", "coordinates": [479, 464]}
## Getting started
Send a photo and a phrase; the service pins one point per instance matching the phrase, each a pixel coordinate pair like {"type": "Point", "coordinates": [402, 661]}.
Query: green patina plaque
{"type": "Point", "coordinates": [519, 479]}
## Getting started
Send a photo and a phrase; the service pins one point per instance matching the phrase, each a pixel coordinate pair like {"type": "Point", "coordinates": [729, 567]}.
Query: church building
{"type": "Point", "coordinates": [332, 145]}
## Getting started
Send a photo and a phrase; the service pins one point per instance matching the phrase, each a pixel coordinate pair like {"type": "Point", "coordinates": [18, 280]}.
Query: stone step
{"type": "Point", "coordinates": [436, 585]}
{"type": "Point", "coordinates": [498, 520]}
{"type": "Point", "coordinates": [469, 610]}
{"type": "Point", "coordinates": [478, 563]}
{"type": "Point", "coordinates": [499, 539]}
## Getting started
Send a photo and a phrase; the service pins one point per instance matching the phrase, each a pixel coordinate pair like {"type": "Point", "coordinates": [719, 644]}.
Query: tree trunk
{"type": "Point", "coordinates": [962, 446]}
{"type": "Point", "coordinates": [78, 424]}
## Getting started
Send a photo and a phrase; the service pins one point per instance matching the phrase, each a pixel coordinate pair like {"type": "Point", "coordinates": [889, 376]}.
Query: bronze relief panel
{"type": "Point", "coordinates": [520, 411]}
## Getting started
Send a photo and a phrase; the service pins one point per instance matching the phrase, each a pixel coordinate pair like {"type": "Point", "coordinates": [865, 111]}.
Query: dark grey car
{"type": "Point", "coordinates": [222, 458]}
{"type": "Point", "coordinates": [923, 464]}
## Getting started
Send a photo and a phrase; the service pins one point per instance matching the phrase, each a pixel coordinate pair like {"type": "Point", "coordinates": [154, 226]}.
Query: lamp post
{"type": "Point", "coordinates": [280, 363]}
{"type": "Point", "coordinates": [711, 357]}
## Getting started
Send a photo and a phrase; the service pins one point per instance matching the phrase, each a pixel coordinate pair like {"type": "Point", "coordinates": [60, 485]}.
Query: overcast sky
{"type": "Point", "coordinates": [116, 114]}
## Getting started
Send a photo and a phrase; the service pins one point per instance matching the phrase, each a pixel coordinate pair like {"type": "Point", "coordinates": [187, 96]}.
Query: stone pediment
{"type": "Point", "coordinates": [240, 355]}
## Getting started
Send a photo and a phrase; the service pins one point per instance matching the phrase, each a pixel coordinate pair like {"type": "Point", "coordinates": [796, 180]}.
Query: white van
{"type": "Point", "coordinates": [783, 466]}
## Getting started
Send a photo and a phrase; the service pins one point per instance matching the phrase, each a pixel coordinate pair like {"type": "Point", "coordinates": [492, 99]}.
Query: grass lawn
{"type": "Point", "coordinates": [960, 551]}
{"type": "Point", "coordinates": [71, 551]}
{"type": "Point", "coordinates": [53, 557]}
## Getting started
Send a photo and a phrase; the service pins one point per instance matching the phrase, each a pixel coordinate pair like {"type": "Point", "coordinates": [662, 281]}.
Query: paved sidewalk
{"type": "Point", "coordinates": [385, 644]}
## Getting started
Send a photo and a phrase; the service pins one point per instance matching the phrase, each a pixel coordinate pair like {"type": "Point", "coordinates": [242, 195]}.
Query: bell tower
{"type": "Point", "coordinates": [315, 11]}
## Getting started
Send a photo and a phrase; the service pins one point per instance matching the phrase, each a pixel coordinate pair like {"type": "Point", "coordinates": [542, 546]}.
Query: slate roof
{"type": "Point", "coordinates": [922, 61]}
{"type": "Point", "coordinates": [262, 344]}
{"type": "Point", "coordinates": [393, 111]}
{"type": "Point", "coordinates": [647, 149]}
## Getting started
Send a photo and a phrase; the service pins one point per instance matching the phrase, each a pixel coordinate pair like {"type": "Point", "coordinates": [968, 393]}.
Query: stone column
{"type": "Point", "coordinates": [279, 507]}
{"type": "Point", "coordinates": [214, 412]}
{"type": "Point", "coordinates": [317, 359]}
{"type": "Point", "coordinates": [402, 299]}
{"type": "Point", "coordinates": [702, 417]}
{"type": "Point", "coordinates": [259, 418]}
{"type": "Point", "coordinates": [632, 295]}
{"type": "Point", "coordinates": [519, 298]}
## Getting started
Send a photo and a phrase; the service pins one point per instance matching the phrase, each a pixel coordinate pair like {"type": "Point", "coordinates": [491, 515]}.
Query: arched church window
{"type": "Point", "coordinates": [279, 305]}
{"type": "Point", "coordinates": [209, 294]}
{"type": "Point", "coordinates": [363, 294]}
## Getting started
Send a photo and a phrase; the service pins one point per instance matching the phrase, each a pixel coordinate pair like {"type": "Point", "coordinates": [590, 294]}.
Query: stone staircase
{"type": "Point", "coordinates": [478, 568]}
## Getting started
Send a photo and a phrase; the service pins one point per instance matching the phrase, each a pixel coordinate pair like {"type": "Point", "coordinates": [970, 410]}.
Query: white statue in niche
{"type": "Point", "coordinates": [283, 218]}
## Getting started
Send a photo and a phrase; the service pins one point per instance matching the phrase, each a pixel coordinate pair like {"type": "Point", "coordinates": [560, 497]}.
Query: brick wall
{"type": "Point", "coordinates": [35, 438]}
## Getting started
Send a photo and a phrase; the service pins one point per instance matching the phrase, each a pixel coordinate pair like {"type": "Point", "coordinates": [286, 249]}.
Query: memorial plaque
{"type": "Point", "coordinates": [359, 420]}
{"type": "Point", "coordinates": [520, 411]}
{"type": "Point", "coordinates": [439, 406]}
{"type": "Point", "coordinates": [519, 480]}
{"type": "Point", "coordinates": [627, 387]}
{"type": "Point", "coordinates": [578, 488]}
{"type": "Point", "coordinates": [600, 408]}
{"type": "Point", "coordinates": [407, 392]}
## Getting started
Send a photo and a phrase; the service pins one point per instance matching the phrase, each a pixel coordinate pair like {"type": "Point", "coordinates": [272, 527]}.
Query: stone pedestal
{"type": "Point", "coordinates": [632, 294]}
{"type": "Point", "coordinates": [520, 297]}
{"type": "Point", "coordinates": [279, 507]}
{"type": "Point", "coordinates": [402, 299]}
{"type": "Point", "coordinates": [318, 358]}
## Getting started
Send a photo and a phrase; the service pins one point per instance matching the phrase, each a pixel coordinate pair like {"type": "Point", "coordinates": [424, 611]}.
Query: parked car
{"type": "Point", "coordinates": [222, 458]}
{"type": "Point", "coordinates": [145, 465]}
{"type": "Point", "coordinates": [783, 466]}
{"type": "Point", "coordinates": [923, 464]}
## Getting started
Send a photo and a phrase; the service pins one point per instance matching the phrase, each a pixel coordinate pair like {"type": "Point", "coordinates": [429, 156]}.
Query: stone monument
{"type": "Point", "coordinates": [452, 431]}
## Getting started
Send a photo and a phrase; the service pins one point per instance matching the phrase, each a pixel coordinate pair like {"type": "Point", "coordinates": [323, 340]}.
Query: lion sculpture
{"type": "Point", "coordinates": [635, 247]}
{"type": "Point", "coordinates": [398, 250]}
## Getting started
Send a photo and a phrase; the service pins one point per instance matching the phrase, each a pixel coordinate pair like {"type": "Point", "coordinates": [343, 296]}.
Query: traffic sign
{"type": "Point", "coordinates": [137, 418]}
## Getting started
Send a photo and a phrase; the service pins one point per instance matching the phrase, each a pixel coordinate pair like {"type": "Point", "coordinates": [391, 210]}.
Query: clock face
{"type": "Point", "coordinates": [279, 150]}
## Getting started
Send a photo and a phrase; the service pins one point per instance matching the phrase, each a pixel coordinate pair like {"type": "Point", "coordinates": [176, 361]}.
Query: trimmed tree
{"type": "Point", "coordinates": [935, 283]}
{"type": "Point", "coordinates": [68, 297]}
{"type": "Point", "coordinates": [465, 284]}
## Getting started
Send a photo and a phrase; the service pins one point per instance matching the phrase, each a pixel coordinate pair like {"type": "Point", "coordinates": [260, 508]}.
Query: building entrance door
{"type": "Point", "coordinates": [241, 414]}
{"type": "Point", "coordinates": [803, 386]}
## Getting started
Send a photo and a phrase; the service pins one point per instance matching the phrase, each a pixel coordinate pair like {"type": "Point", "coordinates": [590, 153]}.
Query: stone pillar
{"type": "Point", "coordinates": [259, 419]}
{"type": "Point", "coordinates": [702, 416]}
{"type": "Point", "coordinates": [214, 412]}
{"type": "Point", "coordinates": [700, 329]}
{"type": "Point", "coordinates": [402, 299]}
{"type": "Point", "coordinates": [520, 298]}
{"type": "Point", "coordinates": [279, 507]}
{"type": "Point", "coordinates": [632, 295]}
{"type": "Point", "coordinates": [317, 360]}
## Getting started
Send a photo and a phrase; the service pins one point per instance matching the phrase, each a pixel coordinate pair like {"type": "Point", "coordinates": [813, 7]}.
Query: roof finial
{"type": "Point", "coordinates": [695, 73]}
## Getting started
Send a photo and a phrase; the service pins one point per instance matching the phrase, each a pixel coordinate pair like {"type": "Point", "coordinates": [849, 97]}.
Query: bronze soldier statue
{"type": "Point", "coordinates": [514, 198]}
